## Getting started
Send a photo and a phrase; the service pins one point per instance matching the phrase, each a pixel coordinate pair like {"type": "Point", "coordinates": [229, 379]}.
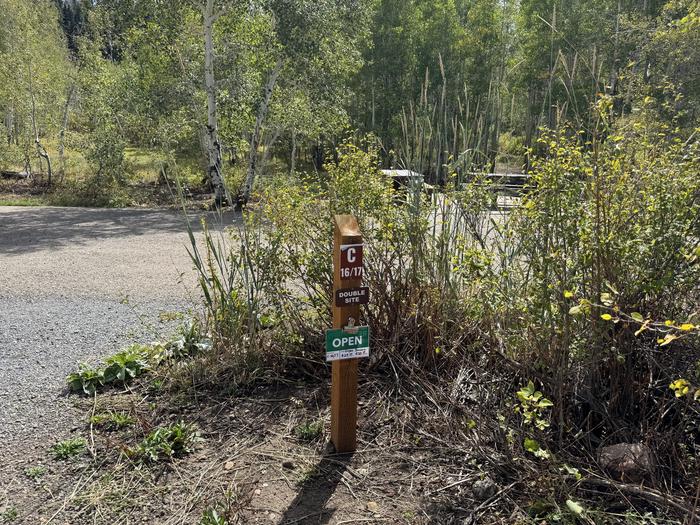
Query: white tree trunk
{"type": "Point", "coordinates": [213, 146]}
{"type": "Point", "coordinates": [40, 149]}
{"type": "Point", "coordinates": [255, 136]}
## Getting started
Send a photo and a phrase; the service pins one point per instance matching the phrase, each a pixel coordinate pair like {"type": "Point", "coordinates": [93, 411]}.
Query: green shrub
{"type": "Point", "coordinates": [267, 286]}
{"type": "Point", "coordinates": [86, 379]}
{"type": "Point", "coordinates": [127, 364]}
{"type": "Point", "coordinates": [604, 227]}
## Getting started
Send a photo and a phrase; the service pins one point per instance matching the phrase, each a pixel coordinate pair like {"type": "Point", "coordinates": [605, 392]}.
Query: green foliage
{"type": "Point", "coordinates": [86, 379]}
{"type": "Point", "coordinates": [309, 430]}
{"type": "Point", "coordinates": [127, 364]}
{"type": "Point", "coordinates": [266, 288]}
{"type": "Point", "coordinates": [532, 406]}
{"type": "Point", "coordinates": [532, 446]}
{"type": "Point", "coordinates": [112, 420]}
{"type": "Point", "coordinates": [164, 443]}
{"type": "Point", "coordinates": [35, 472]}
{"type": "Point", "coordinates": [188, 341]}
{"type": "Point", "coordinates": [9, 515]}
{"type": "Point", "coordinates": [35, 71]}
{"type": "Point", "coordinates": [212, 517]}
{"type": "Point", "coordinates": [69, 448]}
{"type": "Point", "coordinates": [138, 359]}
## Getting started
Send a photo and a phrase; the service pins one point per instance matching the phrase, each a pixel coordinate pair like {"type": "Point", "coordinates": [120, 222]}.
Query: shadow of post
{"type": "Point", "coordinates": [309, 505]}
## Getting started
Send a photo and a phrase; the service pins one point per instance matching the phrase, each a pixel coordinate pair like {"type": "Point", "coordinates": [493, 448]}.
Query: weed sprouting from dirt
{"type": "Point", "coordinates": [309, 430]}
{"type": "Point", "coordinates": [112, 420]}
{"type": "Point", "coordinates": [164, 443]}
{"type": "Point", "coordinates": [36, 472]}
{"type": "Point", "coordinates": [69, 448]}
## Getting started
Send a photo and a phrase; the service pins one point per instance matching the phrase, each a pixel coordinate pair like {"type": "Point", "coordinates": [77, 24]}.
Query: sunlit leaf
{"type": "Point", "coordinates": [680, 387]}
{"type": "Point", "coordinates": [668, 338]}
{"type": "Point", "coordinates": [531, 445]}
{"type": "Point", "coordinates": [574, 508]}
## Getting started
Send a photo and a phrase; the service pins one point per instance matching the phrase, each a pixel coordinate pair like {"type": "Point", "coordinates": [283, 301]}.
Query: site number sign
{"type": "Point", "coordinates": [351, 261]}
{"type": "Point", "coordinates": [341, 344]}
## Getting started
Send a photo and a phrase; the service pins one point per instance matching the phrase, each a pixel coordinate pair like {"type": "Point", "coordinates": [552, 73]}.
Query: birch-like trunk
{"type": "Point", "coordinates": [255, 136]}
{"type": "Point", "coordinates": [213, 146]}
{"type": "Point", "coordinates": [40, 149]}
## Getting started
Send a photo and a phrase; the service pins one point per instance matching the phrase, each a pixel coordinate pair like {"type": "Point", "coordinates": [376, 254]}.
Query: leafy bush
{"type": "Point", "coordinates": [127, 364]}
{"type": "Point", "coordinates": [267, 287]}
{"type": "Point", "coordinates": [86, 379]}
{"type": "Point", "coordinates": [605, 226]}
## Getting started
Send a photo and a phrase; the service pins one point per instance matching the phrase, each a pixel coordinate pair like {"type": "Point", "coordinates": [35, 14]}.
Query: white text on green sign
{"type": "Point", "coordinates": [341, 344]}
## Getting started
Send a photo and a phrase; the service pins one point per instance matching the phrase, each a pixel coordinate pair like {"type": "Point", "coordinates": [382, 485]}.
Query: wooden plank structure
{"type": "Point", "coordinates": [344, 374]}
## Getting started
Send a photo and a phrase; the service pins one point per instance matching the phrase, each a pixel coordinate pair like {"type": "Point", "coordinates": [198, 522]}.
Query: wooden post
{"type": "Point", "coordinates": [344, 385]}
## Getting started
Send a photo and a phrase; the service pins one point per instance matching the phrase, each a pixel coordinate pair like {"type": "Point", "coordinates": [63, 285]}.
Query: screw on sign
{"type": "Point", "coordinates": [351, 261]}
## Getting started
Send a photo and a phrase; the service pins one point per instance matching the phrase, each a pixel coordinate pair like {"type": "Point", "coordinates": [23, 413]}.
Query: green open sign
{"type": "Point", "coordinates": [342, 344]}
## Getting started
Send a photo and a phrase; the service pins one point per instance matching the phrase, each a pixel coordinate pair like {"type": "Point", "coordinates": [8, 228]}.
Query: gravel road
{"type": "Point", "coordinates": [77, 284]}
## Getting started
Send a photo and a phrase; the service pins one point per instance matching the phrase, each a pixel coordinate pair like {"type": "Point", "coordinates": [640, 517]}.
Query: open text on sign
{"type": "Point", "coordinates": [351, 261]}
{"type": "Point", "coordinates": [341, 344]}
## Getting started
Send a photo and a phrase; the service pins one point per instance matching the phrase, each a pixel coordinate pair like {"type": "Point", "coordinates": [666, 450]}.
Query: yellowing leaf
{"type": "Point", "coordinates": [668, 339]}
{"type": "Point", "coordinates": [687, 327]}
{"type": "Point", "coordinates": [644, 326]}
{"type": "Point", "coordinates": [606, 299]}
{"type": "Point", "coordinates": [575, 310]}
{"type": "Point", "coordinates": [574, 508]}
{"type": "Point", "coordinates": [606, 317]}
{"type": "Point", "coordinates": [680, 387]}
{"type": "Point", "coordinates": [568, 294]}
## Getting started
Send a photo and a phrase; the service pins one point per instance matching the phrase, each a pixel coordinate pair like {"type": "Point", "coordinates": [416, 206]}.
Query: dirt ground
{"type": "Point", "coordinates": [253, 466]}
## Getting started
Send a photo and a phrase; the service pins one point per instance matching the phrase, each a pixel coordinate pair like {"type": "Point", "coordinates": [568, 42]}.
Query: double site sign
{"type": "Point", "coordinates": [346, 341]}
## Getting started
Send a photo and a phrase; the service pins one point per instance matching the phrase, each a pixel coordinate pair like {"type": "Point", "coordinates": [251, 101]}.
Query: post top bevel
{"type": "Point", "coordinates": [347, 225]}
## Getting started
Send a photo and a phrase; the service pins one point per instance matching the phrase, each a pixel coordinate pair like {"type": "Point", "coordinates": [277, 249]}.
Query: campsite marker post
{"type": "Point", "coordinates": [346, 341]}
